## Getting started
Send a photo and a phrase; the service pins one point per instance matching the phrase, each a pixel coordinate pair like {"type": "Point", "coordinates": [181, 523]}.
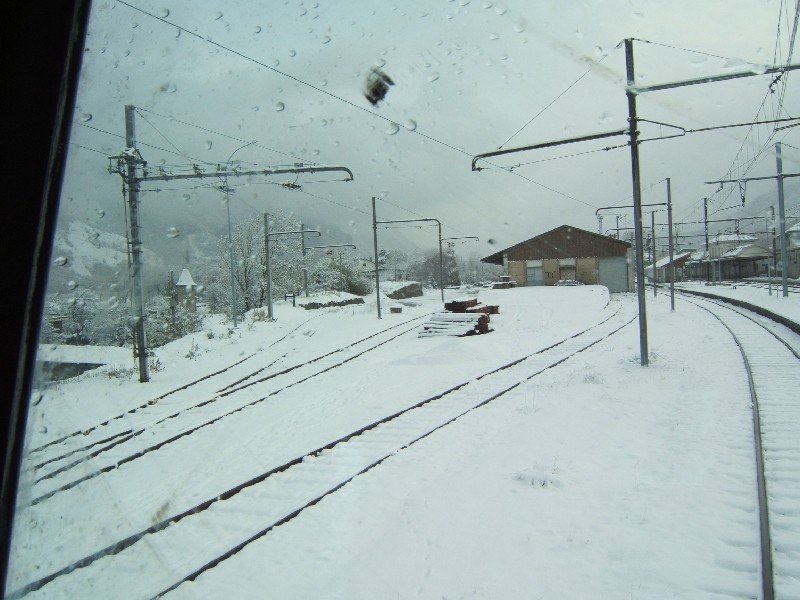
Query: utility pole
{"type": "Point", "coordinates": [653, 254]}
{"type": "Point", "coordinates": [782, 220]}
{"type": "Point", "coordinates": [633, 136]}
{"type": "Point", "coordinates": [705, 222]}
{"type": "Point", "coordinates": [127, 165]}
{"type": "Point", "coordinates": [132, 160]}
{"type": "Point", "coordinates": [375, 242]}
{"type": "Point", "coordinates": [671, 247]}
{"type": "Point", "coordinates": [305, 270]}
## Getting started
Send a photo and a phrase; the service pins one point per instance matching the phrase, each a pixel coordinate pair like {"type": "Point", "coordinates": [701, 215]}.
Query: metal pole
{"type": "Point", "coordinates": [637, 200]}
{"type": "Point", "coordinates": [375, 240]}
{"type": "Point", "coordinates": [267, 273]}
{"type": "Point", "coordinates": [441, 262]}
{"type": "Point", "coordinates": [230, 256]}
{"type": "Point", "coordinates": [774, 243]}
{"type": "Point", "coordinates": [782, 220]}
{"type": "Point", "coordinates": [653, 252]}
{"type": "Point", "coordinates": [671, 246]}
{"type": "Point", "coordinates": [305, 270]}
{"type": "Point", "coordinates": [705, 221]}
{"type": "Point", "coordinates": [137, 299]}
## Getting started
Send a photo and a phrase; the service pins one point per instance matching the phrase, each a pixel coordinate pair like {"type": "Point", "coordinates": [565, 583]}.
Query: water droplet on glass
{"type": "Point", "coordinates": [500, 10]}
{"type": "Point", "coordinates": [411, 124]}
{"type": "Point", "coordinates": [209, 143]}
{"type": "Point", "coordinates": [279, 106]}
{"type": "Point", "coordinates": [486, 5]}
{"type": "Point", "coordinates": [258, 29]}
{"type": "Point", "coordinates": [276, 63]}
{"type": "Point", "coordinates": [292, 53]}
{"type": "Point", "coordinates": [494, 36]}
{"type": "Point", "coordinates": [177, 33]}
{"type": "Point", "coordinates": [352, 223]}
{"type": "Point", "coordinates": [218, 16]}
{"type": "Point", "coordinates": [323, 83]}
{"type": "Point", "coordinates": [113, 302]}
{"type": "Point", "coordinates": [86, 117]}
{"type": "Point", "coordinates": [71, 285]}
{"type": "Point", "coordinates": [164, 13]}
{"type": "Point", "coordinates": [61, 261]}
{"type": "Point", "coordinates": [463, 2]}
{"type": "Point", "coordinates": [392, 129]}
{"type": "Point", "coordinates": [519, 27]}
{"type": "Point", "coordinates": [504, 57]}
{"type": "Point", "coordinates": [326, 39]}
{"type": "Point", "coordinates": [433, 77]}
{"type": "Point", "coordinates": [168, 87]}
{"type": "Point", "coordinates": [303, 12]}
{"type": "Point", "coordinates": [380, 63]}
{"type": "Point", "coordinates": [598, 50]}
{"type": "Point", "coordinates": [100, 213]}
{"type": "Point", "coordinates": [173, 232]}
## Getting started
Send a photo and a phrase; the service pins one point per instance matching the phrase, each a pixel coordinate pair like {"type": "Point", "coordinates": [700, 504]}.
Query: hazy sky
{"type": "Point", "coordinates": [469, 77]}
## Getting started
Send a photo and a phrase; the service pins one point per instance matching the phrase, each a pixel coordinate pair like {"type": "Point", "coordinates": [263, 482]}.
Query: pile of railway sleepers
{"type": "Point", "coordinates": [463, 317]}
{"type": "Point", "coordinates": [471, 305]}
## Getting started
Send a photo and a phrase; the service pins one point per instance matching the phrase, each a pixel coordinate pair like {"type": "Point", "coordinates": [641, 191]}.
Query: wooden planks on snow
{"type": "Point", "coordinates": [455, 324]}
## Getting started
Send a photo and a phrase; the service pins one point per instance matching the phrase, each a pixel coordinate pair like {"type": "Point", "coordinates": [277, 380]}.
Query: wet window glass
{"type": "Point", "coordinates": [420, 299]}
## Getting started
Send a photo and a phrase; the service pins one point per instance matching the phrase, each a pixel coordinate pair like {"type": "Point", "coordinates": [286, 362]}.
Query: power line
{"type": "Point", "coordinates": [554, 100]}
{"type": "Point", "coordinates": [287, 75]}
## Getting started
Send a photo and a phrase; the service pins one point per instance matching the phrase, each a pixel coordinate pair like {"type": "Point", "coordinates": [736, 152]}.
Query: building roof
{"type": "Point", "coordinates": [565, 241]}
{"type": "Point", "coordinates": [185, 280]}
{"type": "Point", "coordinates": [746, 251]}
{"type": "Point", "coordinates": [676, 258]}
{"type": "Point", "coordinates": [733, 237]}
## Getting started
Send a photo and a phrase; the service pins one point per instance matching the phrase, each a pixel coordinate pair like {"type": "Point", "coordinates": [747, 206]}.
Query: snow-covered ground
{"type": "Point", "coordinates": [597, 478]}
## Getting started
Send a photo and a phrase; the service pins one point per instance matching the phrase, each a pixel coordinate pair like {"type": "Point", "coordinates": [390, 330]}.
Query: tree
{"type": "Point", "coordinates": [426, 268]}
{"type": "Point", "coordinates": [249, 265]}
{"type": "Point", "coordinates": [339, 271]}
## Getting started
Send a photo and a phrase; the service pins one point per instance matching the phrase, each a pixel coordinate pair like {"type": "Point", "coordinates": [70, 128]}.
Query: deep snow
{"type": "Point", "coordinates": [598, 478]}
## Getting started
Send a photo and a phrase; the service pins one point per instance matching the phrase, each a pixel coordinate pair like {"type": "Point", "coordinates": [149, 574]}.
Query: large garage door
{"type": "Point", "coordinates": [614, 273]}
{"type": "Point", "coordinates": [535, 276]}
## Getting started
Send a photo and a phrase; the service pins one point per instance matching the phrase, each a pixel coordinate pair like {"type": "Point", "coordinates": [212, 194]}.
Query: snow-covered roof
{"type": "Point", "coordinates": [698, 256]}
{"type": "Point", "coordinates": [185, 280]}
{"type": "Point", "coordinates": [746, 251]}
{"type": "Point", "coordinates": [733, 237]}
{"type": "Point", "coordinates": [675, 258]}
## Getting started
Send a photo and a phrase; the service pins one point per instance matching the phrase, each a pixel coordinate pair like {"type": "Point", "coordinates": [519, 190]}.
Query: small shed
{"type": "Point", "coordinates": [568, 252]}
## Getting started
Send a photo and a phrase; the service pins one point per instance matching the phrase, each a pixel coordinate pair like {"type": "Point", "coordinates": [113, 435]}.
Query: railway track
{"type": "Point", "coordinates": [111, 563]}
{"type": "Point", "coordinates": [117, 441]}
{"type": "Point", "coordinates": [771, 353]}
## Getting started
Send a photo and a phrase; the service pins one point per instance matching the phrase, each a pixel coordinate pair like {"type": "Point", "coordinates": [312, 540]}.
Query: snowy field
{"type": "Point", "coordinates": [597, 478]}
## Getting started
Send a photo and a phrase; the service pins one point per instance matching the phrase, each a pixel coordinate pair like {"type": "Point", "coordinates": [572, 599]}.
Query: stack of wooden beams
{"type": "Point", "coordinates": [470, 305]}
{"type": "Point", "coordinates": [455, 324]}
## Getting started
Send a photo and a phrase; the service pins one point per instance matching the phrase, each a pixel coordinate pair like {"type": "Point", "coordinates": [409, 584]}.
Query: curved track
{"type": "Point", "coordinates": [771, 354]}
{"type": "Point", "coordinates": [279, 493]}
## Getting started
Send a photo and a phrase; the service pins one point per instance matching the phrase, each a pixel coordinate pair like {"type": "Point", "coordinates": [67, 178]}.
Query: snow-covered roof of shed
{"type": "Point", "coordinates": [675, 257]}
{"type": "Point", "coordinates": [733, 237]}
{"type": "Point", "coordinates": [185, 280]}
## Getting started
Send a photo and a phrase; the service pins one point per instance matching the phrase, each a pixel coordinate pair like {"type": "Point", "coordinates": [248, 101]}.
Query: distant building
{"type": "Point", "coordinates": [568, 252]}
{"type": "Point", "coordinates": [185, 291]}
{"type": "Point", "coordinates": [662, 269]}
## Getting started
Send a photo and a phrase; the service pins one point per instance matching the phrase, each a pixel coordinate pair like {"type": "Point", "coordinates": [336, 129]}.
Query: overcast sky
{"type": "Point", "coordinates": [470, 76]}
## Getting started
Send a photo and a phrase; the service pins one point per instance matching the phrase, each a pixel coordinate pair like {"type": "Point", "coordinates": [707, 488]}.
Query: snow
{"type": "Point", "coordinates": [596, 478]}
